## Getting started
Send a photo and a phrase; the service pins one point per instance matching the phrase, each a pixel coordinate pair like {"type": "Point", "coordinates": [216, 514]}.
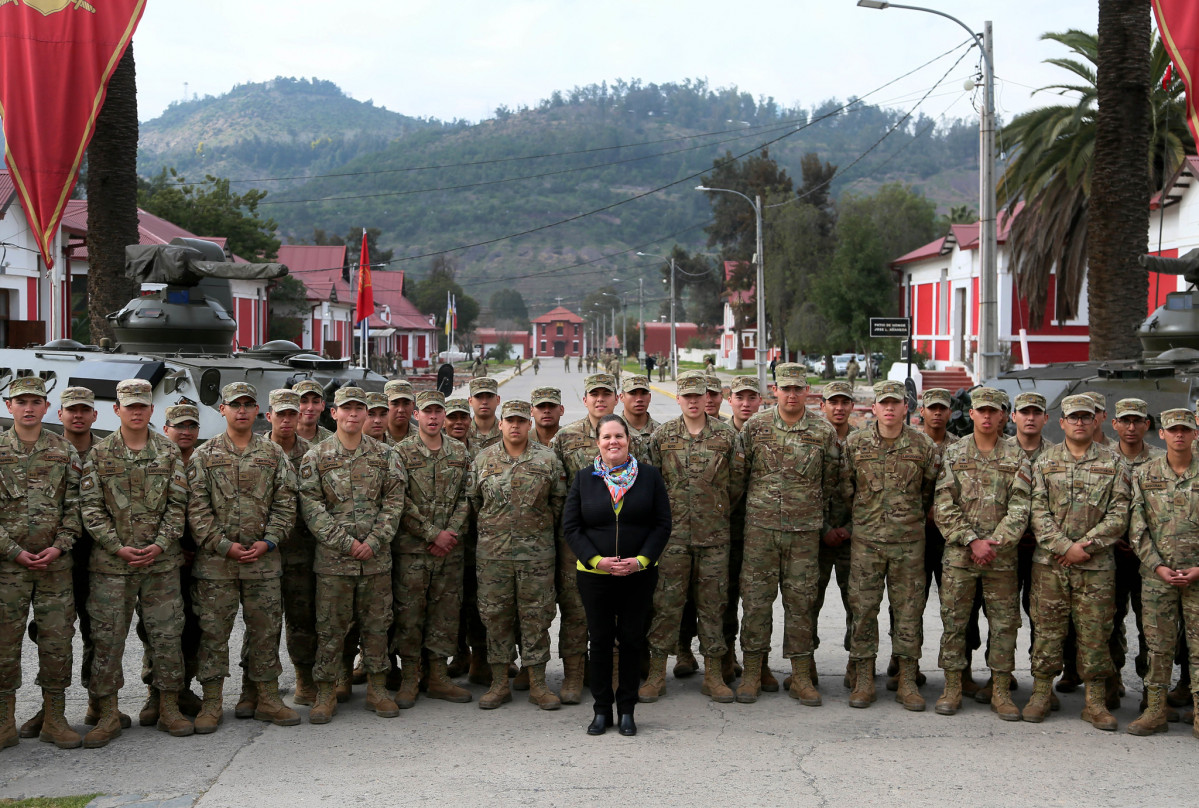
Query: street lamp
{"type": "Point", "coordinates": [756, 202]}
{"type": "Point", "coordinates": [640, 317]}
{"type": "Point", "coordinates": [988, 297]}
{"type": "Point", "coordinates": [674, 349]}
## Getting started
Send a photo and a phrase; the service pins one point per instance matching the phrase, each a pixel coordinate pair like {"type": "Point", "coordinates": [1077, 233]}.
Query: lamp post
{"type": "Point", "coordinates": [988, 296]}
{"type": "Point", "coordinates": [674, 349]}
{"type": "Point", "coordinates": [756, 202]}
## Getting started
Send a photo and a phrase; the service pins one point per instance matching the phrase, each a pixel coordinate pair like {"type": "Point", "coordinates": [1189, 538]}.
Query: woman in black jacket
{"type": "Point", "coordinates": [617, 521]}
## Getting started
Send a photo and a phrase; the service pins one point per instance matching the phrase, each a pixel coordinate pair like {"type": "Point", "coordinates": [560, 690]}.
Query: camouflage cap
{"type": "Point", "coordinates": [1031, 400]}
{"type": "Point", "coordinates": [634, 382]}
{"type": "Point", "coordinates": [309, 386]}
{"type": "Point", "coordinates": [427, 398]}
{"type": "Point", "coordinates": [132, 391]}
{"type": "Point", "coordinates": [1098, 398]}
{"type": "Point", "coordinates": [347, 394]}
{"type": "Point", "coordinates": [790, 374]}
{"type": "Point", "coordinates": [235, 390]}
{"type": "Point", "coordinates": [597, 381]}
{"type": "Point", "coordinates": [483, 384]}
{"type": "Point", "coordinates": [453, 405]}
{"type": "Point", "coordinates": [715, 385]}
{"type": "Point", "coordinates": [889, 390]}
{"type": "Point", "coordinates": [1132, 406]}
{"type": "Point", "coordinates": [1178, 417]}
{"type": "Point", "coordinates": [938, 395]}
{"type": "Point", "coordinates": [986, 397]}
{"type": "Point", "coordinates": [834, 389]}
{"type": "Point", "coordinates": [399, 388]}
{"type": "Point", "coordinates": [77, 395]}
{"type": "Point", "coordinates": [516, 409]}
{"type": "Point", "coordinates": [546, 395]}
{"type": "Point", "coordinates": [375, 401]}
{"type": "Point", "coordinates": [182, 413]}
{"type": "Point", "coordinates": [284, 399]}
{"type": "Point", "coordinates": [745, 383]}
{"type": "Point", "coordinates": [692, 382]}
{"type": "Point", "coordinates": [27, 386]}
{"type": "Point", "coordinates": [1073, 404]}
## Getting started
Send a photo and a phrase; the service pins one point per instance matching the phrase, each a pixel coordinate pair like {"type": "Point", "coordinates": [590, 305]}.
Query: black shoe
{"type": "Point", "coordinates": [600, 723]}
{"type": "Point", "coordinates": [627, 725]}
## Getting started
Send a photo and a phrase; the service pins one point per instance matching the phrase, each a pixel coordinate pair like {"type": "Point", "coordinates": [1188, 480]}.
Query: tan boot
{"type": "Point", "coordinates": [908, 693]}
{"type": "Point", "coordinates": [1038, 706]}
{"type": "Point", "coordinates": [728, 666]}
{"type": "Point", "coordinates": [107, 727]}
{"type": "Point", "coordinates": [93, 713]}
{"type": "Point", "coordinates": [1153, 720]}
{"type": "Point", "coordinates": [325, 708]}
{"type": "Point", "coordinates": [1095, 712]}
{"type": "Point", "coordinates": [572, 679]}
{"type": "Point", "coordinates": [1001, 699]}
{"type": "Point", "coordinates": [148, 716]}
{"type": "Point", "coordinates": [271, 707]}
{"type": "Point", "coordinates": [247, 702]}
{"type": "Point", "coordinates": [951, 697]}
{"type": "Point", "coordinates": [378, 700]}
{"type": "Point", "coordinates": [685, 664]}
{"type": "Point", "coordinates": [1194, 724]}
{"type": "Point", "coordinates": [769, 683]}
{"type": "Point", "coordinates": [342, 687]}
{"type": "Point", "coordinates": [212, 709]}
{"type": "Point", "coordinates": [499, 693]}
{"type": "Point", "coordinates": [802, 687]}
{"type": "Point", "coordinates": [405, 697]}
{"type": "Point", "coordinates": [970, 687]}
{"type": "Point", "coordinates": [983, 694]}
{"type": "Point", "coordinates": [539, 693]}
{"type": "Point", "coordinates": [170, 720]}
{"type": "Point", "coordinates": [480, 672]}
{"type": "Point", "coordinates": [441, 686]}
{"type": "Point", "coordinates": [751, 679]}
{"type": "Point", "coordinates": [893, 674]}
{"type": "Point", "coordinates": [305, 693]}
{"type": "Point", "coordinates": [714, 686]}
{"type": "Point", "coordinates": [847, 680]}
{"type": "Point", "coordinates": [189, 705]}
{"type": "Point", "coordinates": [1180, 696]}
{"type": "Point", "coordinates": [33, 727]}
{"type": "Point", "coordinates": [8, 721]}
{"type": "Point", "coordinates": [55, 728]}
{"type": "Point", "coordinates": [655, 684]}
{"type": "Point", "coordinates": [864, 692]}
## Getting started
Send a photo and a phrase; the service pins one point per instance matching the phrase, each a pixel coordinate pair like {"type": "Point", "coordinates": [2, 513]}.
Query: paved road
{"type": "Point", "coordinates": [690, 751]}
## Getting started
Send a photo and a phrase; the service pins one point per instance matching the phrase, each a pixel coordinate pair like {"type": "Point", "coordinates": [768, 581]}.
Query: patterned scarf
{"type": "Point", "coordinates": [620, 479]}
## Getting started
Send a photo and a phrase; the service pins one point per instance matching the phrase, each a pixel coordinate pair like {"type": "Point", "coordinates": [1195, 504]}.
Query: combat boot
{"type": "Point", "coordinates": [148, 716]}
{"type": "Point", "coordinates": [8, 721]}
{"type": "Point", "coordinates": [189, 705]}
{"type": "Point", "coordinates": [1095, 712]}
{"type": "Point", "coordinates": [655, 684]}
{"type": "Point", "coordinates": [1180, 696]}
{"type": "Point", "coordinates": [863, 694]}
{"type": "Point", "coordinates": [440, 685]}
{"type": "Point", "coordinates": [714, 686]}
{"type": "Point", "coordinates": [480, 672]}
{"type": "Point", "coordinates": [1115, 689]}
{"type": "Point", "coordinates": [499, 692]}
{"type": "Point", "coordinates": [93, 713]}
{"type": "Point", "coordinates": [405, 697]}
{"type": "Point", "coordinates": [271, 707]}
{"type": "Point", "coordinates": [1153, 720]}
{"type": "Point", "coordinates": [378, 700]}
{"type": "Point", "coordinates": [728, 666]}
{"type": "Point", "coordinates": [1069, 681]}
{"type": "Point", "coordinates": [983, 694]}
{"type": "Point", "coordinates": [802, 687]}
{"type": "Point", "coordinates": [572, 679]}
{"type": "Point", "coordinates": [460, 664]}
{"type": "Point", "coordinates": [847, 679]}
{"type": "Point", "coordinates": [539, 693]}
{"type": "Point", "coordinates": [1001, 700]}
{"type": "Point", "coordinates": [685, 664]}
{"type": "Point", "coordinates": [769, 683]}
{"type": "Point", "coordinates": [212, 710]}
{"type": "Point", "coordinates": [951, 698]}
{"type": "Point", "coordinates": [1038, 703]}
{"type": "Point", "coordinates": [55, 728]}
{"type": "Point", "coordinates": [521, 680]}
{"type": "Point", "coordinates": [170, 720]}
{"type": "Point", "coordinates": [107, 727]}
{"type": "Point", "coordinates": [342, 687]}
{"type": "Point", "coordinates": [33, 727]}
{"type": "Point", "coordinates": [908, 693]}
{"type": "Point", "coordinates": [325, 708]}
{"type": "Point", "coordinates": [751, 679]}
{"type": "Point", "coordinates": [305, 693]}
{"type": "Point", "coordinates": [1194, 724]}
{"type": "Point", "coordinates": [247, 702]}
{"type": "Point", "coordinates": [969, 686]}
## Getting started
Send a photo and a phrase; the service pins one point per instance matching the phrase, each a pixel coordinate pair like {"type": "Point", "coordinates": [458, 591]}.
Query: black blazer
{"type": "Point", "coordinates": [590, 524]}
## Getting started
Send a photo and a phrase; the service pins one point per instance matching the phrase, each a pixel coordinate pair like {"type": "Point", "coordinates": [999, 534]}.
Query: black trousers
{"type": "Point", "coordinates": [617, 611]}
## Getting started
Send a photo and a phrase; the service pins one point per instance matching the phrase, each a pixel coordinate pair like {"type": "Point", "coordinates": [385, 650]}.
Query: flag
{"type": "Point", "coordinates": [365, 305]}
{"type": "Point", "coordinates": [1178, 22]}
{"type": "Point", "coordinates": [449, 313]}
{"type": "Point", "coordinates": [454, 311]}
{"type": "Point", "coordinates": [56, 57]}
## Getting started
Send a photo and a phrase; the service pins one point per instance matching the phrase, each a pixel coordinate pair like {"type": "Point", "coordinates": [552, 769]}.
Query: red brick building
{"type": "Point", "coordinates": [558, 332]}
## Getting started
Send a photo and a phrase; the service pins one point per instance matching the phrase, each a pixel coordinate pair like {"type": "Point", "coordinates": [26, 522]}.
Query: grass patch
{"type": "Point", "coordinates": [50, 802]}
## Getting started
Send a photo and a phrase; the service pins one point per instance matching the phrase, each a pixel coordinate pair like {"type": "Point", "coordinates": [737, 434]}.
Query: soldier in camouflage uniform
{"type": "Point", "coordinates": [836, 404]}
{"type": "Point", "coordinates": [39, 524]}
{"type": "Point", "coordinates": [704, 471]}
{"type": "Point", "coordinates": [243, 506]}
{"type": "Point", "coordinates": [745, 398]}
{"type": "Point", "coordinates": [484, 431]}
{"type": "Point", "coordinates": [484, 400]}
{"type": "Point", "coordinates": [352, 496]}
{"type": "Point", "coordinates": [312, 406]}
{"type": "Point", "coordinates": [793, 462]}
{"type": "Point", "coordinates": [457, 419]}
{"type": "Point", "coordinates": [982, 506]}
{"type": "Point", "coordinates": [635, 399]}
{"type": "Point", "coordinates": [547, 414]}
{"type": "Point", "coordinates": [889, 476]}
{"type": "Point", "coordinates": [715, 396]}
{"type": "Point", "coordinates": [472, 641]}
{"type": "Point", "coordinates": [133, 497]}
{"type": "Point", "coordinates": [519, 492]}
{"type": "Point", "coordinates": [376, 417]}
{"type": "Point", "coordinates": [1079, 510]}
{"type": "Point", "coordinates": [400, 401]}
{"type": "Point", "coordinates": [427, 555]}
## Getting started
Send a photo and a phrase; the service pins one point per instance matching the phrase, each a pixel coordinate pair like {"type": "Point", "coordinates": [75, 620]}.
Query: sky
{"type": "Point", "coordinates": [463, 59]}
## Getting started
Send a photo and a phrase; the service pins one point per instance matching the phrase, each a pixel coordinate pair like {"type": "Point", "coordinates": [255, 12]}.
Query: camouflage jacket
{"type": "Point", "coordinates": [1033, 455]}
{"type": "Point", "coordinates": [577, 446]}
{"type": "Point", "coordinates": [533, 436]}
{"type": "Point", "coordinates": [890, 486]}
{"type": "Point", "coordinates": [794, 472]}
{"type": "Point", "coordinates": [300, 547]}
{"type": "Point", "coordinates": [519, 503]}
{"type": "Point", "coordinates": [438, 494]}
{"type": "Point", "coordinates": [705, 478]}
{"type": "Point", "coordinates": [347, 495]}
{"type": "Point", "coordinates": [239, 496]}
{"type": "Point", "coordinates": [639, 440]}
{"type": "Point", "coordinates": [1078, 499]}
{"type": "Point", "coordinates": [983, 496]}
{"type": "Point", "coordinates": [478, 441]}
{"type": "Point", "coordinates": [1164, 525]}
{"type": "Point", "coordinates": [39, 498]}
{"type": "Point", "coordinates": [134, 499]}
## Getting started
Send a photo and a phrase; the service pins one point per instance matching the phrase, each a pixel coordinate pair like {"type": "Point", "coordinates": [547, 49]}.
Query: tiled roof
{"type": "Point", "coordinates": [556, 314]}
{"type": "Point", "coordinates": [151, 229]}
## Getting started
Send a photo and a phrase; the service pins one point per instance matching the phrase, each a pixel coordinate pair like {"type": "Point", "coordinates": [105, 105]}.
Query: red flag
{"type": "Point", "coordinates": [1178, 22]}
{"type": "Point", "coordinates": [56, 57]}
{"type": "Point", "coordinates": [365, 306]}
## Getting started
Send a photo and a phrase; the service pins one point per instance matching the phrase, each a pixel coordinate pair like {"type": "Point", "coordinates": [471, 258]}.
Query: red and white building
{"type": "Point", "coordinates": [521, 341]}
{"type": "Point", "coordinates": [558, 332]}
{"type": "Point", "coordinates": [657, 336]}
{"type": "Point", "coordinates": [730, 347]}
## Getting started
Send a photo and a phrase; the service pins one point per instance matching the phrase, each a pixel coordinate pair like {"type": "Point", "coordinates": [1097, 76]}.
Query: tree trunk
{"type": "Point", "coordinates": [112, 198]}
{"type": "Point", "coordinates": [1118, 219]}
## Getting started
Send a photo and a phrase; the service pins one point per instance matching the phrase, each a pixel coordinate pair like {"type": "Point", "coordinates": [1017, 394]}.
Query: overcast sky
{"type": "Point", "coordinates": [464, 58]}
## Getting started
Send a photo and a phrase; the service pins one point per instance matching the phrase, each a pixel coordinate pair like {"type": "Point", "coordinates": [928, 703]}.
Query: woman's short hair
{"type": "Point", "coordinates": [611, 418]}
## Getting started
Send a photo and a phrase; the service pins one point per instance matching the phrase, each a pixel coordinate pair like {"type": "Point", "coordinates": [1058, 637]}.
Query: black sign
{"type": "Point", "coordinates": [890, 327]}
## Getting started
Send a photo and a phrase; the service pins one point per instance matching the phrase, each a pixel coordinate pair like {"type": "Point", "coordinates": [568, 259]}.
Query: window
{"type": "Point", "coordinates": [543, 329]}
{"type": "Point", "coordinates": [543, 342]}
{"type": "Point", "coordinates": [576, 329]}
{"type": "Point", "coordinates": [575, 349]}
{"type": "Point", "coordinates": [559, 329]}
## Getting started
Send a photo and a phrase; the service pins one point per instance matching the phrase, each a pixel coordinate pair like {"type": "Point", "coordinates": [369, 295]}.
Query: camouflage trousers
{"type": "Point", "coordinates": [51, 596]}
{"type": "Point", "coordinates": [779, 560]}
{"type": "Point", "coordinates": [512, 594]}
{"type": "Point", "coordinates": [189, 640]}
{"type": "Point", "coordinates": [1001, 596]}
{"type": "Point", "coordinates": [702, 572]}
{"type": "Point", "coordinates": [426, 598]}
{"type": "Point", "coordinates": [342, 600]}
{"type": "Point", "coordinates": [1060, 594]}
{"type": "Point", "coordinates": [261, 603]}
{"type": "Point", "coordinates": [299, 612]}
{"type": "Point", "coordinates": [1167, 609]}
{"type": "Point", "coordinates": [80, 576]}
{"type": "Point", "coordinates": [899, 568]}
{"type": "Point", "coordinates": [572, 630]}
{"type": "Point", "coordinates": [111, 604]}
{"type": "Point", "coordinates": [830, 560]}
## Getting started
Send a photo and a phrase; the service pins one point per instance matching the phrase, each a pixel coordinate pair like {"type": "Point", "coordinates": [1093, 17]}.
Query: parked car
{"type": "Point", "coordinates": [841, 362]}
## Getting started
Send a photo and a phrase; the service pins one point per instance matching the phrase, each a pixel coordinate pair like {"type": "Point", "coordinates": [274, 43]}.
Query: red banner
{"type": "Point", "coordinates": [1178, 22]}
{"type": "Point", "coordinates": [56, 57]}
{"type": "Point", "coordinates": [365, 306]}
